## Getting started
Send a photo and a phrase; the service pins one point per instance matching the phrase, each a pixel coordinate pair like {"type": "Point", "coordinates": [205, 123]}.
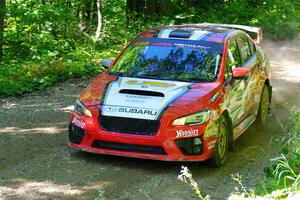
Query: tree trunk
{"type": "Point", "coordinates": [99, 28]}
{"type": "Point", "coordinates": [163, 4]}
{"type": "Point", "coordinates": [130, 5]}
{"type": "Point", "coordinates": [86, 10]}
{"type": "Point", "coordinates": [151, 6]}
{"type": "Point", "coordinates": [2, 16]}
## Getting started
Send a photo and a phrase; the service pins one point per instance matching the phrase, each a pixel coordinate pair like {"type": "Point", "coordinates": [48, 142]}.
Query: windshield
{"type": "Point", "coordinates": [183, 62]}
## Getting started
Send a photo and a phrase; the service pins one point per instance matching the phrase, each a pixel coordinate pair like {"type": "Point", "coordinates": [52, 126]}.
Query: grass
{"type": "Point", "coordinates": [282, 175]}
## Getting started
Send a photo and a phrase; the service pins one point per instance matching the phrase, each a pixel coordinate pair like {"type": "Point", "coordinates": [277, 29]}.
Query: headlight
{"type": "Point", "coordinates": [81, 109]}
{"type": "Point", "coordinates": [193, 119]}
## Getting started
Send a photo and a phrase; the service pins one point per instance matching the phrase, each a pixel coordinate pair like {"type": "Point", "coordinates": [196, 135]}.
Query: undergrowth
{"type": "Point", "coordinates": [282, 175]}
{"type": "Point", "coordinates": [46, 43]}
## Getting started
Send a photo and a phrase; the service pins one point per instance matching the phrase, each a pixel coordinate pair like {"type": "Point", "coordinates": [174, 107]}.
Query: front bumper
{"type": "Point", "coordinates": [162, 146]}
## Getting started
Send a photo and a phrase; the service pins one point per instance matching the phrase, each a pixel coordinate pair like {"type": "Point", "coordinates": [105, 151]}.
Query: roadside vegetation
{"type": "Point", "coordinates": [282, 176]}
{"type": "Point", "coordinates": [45, 42]}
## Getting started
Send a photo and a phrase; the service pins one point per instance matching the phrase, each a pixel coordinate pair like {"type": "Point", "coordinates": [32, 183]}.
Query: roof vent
{"type": "Point", "coordinates": [180, 34]}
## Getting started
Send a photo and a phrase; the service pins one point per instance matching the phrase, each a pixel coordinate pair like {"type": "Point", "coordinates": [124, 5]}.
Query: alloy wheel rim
{"type": "Point", "coordinates": [264, 106]}
{"type": "Point", "coordinates": [222, 140]}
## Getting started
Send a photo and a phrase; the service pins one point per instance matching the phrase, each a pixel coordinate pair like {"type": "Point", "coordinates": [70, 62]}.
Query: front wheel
{"type": "Point", "coordinates": [221, 148]}
{"type": "Point", "coordinates": [263, 109]}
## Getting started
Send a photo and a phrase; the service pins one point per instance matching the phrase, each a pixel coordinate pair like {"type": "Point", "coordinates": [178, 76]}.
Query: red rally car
{"type": "Point", "coordinates": [176, 93]}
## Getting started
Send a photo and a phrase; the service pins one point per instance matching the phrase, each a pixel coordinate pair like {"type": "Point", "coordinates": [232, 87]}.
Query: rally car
{"type": "Point", "coordinates": [176, 93]}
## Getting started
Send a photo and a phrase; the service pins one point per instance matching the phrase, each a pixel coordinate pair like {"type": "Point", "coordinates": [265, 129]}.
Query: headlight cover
{"type": "Point", "coordinates": [80, 109]}
{"type": "Point", "coordinates": [193, 119]}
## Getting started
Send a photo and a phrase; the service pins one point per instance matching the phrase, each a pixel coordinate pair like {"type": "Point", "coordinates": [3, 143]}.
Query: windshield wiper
{"type": "Point", "coordinates": [185, 80]}
{"type": "Point", "coordinates": [116, 73]}
{"type": "Point", "coordinates": [159, 77]}
{"type": "Point", "coordinates": [146, 77]}
{"type": "Point", "coordinates": [173, 79]}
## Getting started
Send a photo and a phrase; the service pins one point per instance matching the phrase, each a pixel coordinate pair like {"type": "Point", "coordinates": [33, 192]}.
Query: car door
{"type": "Point", "coordinates": [250, 60]}
{"type": "Point", "coordinates": [239, 54]}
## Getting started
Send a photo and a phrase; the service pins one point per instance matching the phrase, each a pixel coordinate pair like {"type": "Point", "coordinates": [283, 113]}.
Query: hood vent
{"type": "Point", "coordinates": [142, 93]}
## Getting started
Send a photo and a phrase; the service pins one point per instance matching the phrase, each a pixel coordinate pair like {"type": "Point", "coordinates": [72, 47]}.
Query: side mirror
{"type": "Point", "coordinates": [240, 72]}
{"type": "Point", "coordinates": [106, 63]}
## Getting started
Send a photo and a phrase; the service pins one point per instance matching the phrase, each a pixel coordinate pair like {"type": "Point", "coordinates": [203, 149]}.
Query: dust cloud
{"type": "Point", "coordinates": [285, 66]}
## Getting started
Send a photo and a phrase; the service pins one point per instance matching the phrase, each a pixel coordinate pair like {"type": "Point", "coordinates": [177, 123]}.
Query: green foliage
{"type": "Point", "coordinates": [279, 19]}
{"type": "Point", "coordinates": [284, 173]}
{"type": "Point", "coordinates": [50, 41]}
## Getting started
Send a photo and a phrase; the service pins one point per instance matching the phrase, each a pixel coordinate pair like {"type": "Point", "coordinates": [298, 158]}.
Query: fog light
{"type": "Point", "coordinates": [75, 134]}
{"type": "Point", "coordinates": [197, 149]}
{"type": "Point", "coordinates": [197, 141]}
{"type": "Point", "coordinates": [190, 146]}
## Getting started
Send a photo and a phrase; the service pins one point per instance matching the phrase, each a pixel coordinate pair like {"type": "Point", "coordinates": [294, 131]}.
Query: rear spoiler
{"type": "Point", "coordinates": [251, 29]}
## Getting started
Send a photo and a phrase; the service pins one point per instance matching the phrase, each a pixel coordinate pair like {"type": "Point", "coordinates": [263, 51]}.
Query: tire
{"type": "Point", "coordinates": [221, 148]}
{"type": "Point", "coordinates": [264, 104]}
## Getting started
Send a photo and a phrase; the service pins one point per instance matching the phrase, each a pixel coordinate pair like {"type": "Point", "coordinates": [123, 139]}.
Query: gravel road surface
{"type": "Point", "coordinates": [35, 162]}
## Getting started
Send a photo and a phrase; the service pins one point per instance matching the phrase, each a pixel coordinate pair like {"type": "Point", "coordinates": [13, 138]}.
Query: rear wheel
{"type": "Point", "coordinates": [221, 148]}
{"type": "Point", "coordinates": [263, 109]}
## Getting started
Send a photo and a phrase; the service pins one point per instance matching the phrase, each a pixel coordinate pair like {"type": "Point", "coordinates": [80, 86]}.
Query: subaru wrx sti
{"type": "Point", "coordinates": [176, 93]}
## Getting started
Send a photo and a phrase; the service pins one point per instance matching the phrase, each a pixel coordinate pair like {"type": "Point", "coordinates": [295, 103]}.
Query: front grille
{"type": "Point", "coordinates": [129, 125]}
{"type": "Point", "coordinates": [75, 134]}
{"type": "Point", "coordinates": [128, 147]}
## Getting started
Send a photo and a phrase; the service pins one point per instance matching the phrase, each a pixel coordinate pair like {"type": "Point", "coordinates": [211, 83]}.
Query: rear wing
{"type": "Point", "coordinates": [251, 29]}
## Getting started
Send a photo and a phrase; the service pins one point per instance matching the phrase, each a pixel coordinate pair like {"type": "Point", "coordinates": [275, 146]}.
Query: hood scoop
{"type": "Point", "coordinates": [142, 92]}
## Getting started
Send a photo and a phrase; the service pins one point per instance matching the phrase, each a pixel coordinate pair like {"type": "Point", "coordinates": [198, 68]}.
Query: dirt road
{"type": "Point", "coordinates": [35, 162]}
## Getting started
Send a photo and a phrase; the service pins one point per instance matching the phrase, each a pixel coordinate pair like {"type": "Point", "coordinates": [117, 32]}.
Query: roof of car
{"type": "Point", "coordinates": [196, 32]}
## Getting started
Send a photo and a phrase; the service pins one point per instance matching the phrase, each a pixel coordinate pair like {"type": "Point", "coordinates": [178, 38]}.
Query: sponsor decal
{"type": "Point", "coordinates": [140, 43]}
{"type": "Point", "coordinates": [78, 123]}
{"type": "Point", "coordinates": [188, 133]}
{"type": "Point", "coordinates": [192, 46]}
{"type": "Point", "coordinates": [215, 37]}
{"type": "Point", "coordinates": [134, 101]}
{"type": "Point", "coordinates": [214, 97]}
{"type": "Point", "coordinates": [137, 97]}
{"type": "Point", "coordinates": [114, 109]}
{"type": "Point", "coordinates": [211, 144]}
{"type": "Point", "coordinates": [111, 109]}
{"type": "Point", "coordinates": [166, 44]}
{"type": "Point", "coordinates": [150, 83]}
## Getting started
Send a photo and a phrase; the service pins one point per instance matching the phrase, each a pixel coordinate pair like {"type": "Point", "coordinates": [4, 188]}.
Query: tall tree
{"type": "Point", "coordinates": [151, 6]}
{"type": "Point", "coordinates": [131, 6]}
{"type": "Point", "coordinates": [99, 27]}
{"type": "Point", "coordinates": [2, 16]}
{"type": "Point", "coordinates": [163, 4]}
{"type": "Point", "coordinates": [147, 7]}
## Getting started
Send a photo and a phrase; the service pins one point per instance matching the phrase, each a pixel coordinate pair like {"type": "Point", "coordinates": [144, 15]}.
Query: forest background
{"type": "Point", "coordinates": [43, 42]}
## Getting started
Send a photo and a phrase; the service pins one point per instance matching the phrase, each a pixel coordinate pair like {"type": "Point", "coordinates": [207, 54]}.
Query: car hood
{"type": "Point", "coordinates": [147, 98]}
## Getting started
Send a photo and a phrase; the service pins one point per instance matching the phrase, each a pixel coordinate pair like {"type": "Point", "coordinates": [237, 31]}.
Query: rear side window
{"type": "Point", "coordinates": [244, 49]}
{"type": "Point", "coordinates": [233, 59]}
{"type": "Point", "coordinates": [252, 46]}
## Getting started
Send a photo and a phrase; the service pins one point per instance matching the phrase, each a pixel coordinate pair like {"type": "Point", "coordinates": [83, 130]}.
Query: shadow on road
{"type": "Point", "coordinates": [35, 162]}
